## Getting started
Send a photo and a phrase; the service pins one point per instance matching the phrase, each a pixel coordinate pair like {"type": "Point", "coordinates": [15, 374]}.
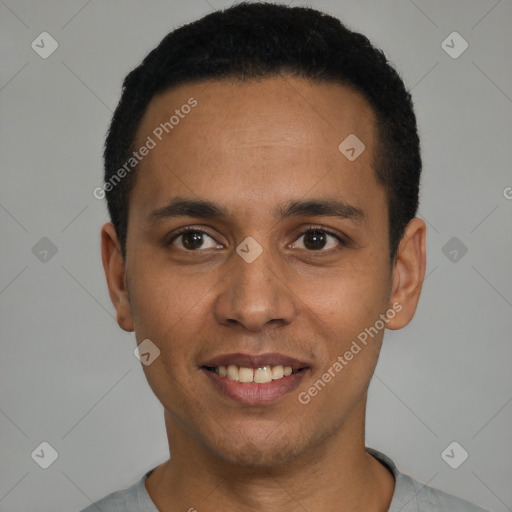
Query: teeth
{"type": "Point", "coordinates": [232, 372]}
{"type": "Point", "coordinates": [260, 375]}
{"type": "Point", "coordinates": [245, 374]}
{"type": "Point", "coordinates": [277, 372]}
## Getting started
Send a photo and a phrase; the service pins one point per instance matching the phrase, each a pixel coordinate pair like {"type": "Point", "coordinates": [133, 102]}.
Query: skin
{"type": "Point", "coordinates": [250, 147]}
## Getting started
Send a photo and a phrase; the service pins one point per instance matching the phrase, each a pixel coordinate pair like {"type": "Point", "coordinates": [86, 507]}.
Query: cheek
{"type": "Point", "coordinates": [162, 298]}
{"type": "Point", "coordinates": [345, 310]}
{"type": "Point", "coordinates": [347, 298]}
{"type": "Point", "coordinates": [345, 317]}
{"type": "Point", "coordinates": [171, 309]}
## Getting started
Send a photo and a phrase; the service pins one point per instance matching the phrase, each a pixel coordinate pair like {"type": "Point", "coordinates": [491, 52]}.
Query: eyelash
{"type": "Point", "coordinates": [190, 229]}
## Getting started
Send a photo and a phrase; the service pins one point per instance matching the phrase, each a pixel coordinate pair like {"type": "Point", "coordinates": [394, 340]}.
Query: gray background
{"type": "Point", "coordinates": [68, 375]}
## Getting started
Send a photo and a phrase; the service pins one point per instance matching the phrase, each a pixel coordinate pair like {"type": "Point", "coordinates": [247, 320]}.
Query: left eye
{"type": "Point", "coordinates": [317, 239]}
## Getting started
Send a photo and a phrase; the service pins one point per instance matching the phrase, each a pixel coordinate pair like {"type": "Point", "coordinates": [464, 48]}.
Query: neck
{"type": "Point", "coordinates": [336, 474]}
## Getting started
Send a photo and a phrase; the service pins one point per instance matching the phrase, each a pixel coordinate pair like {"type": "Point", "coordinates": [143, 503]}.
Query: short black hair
{"type": "Point", "coordinates": [249, 41]}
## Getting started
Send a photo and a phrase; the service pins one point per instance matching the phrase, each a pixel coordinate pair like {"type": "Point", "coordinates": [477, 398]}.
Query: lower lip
{"type": "Point", "coordinates": [252, 393]}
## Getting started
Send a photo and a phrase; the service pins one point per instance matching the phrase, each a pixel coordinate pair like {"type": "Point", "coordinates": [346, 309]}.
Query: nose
{"type": "Point", "coordinates": [254, 295]}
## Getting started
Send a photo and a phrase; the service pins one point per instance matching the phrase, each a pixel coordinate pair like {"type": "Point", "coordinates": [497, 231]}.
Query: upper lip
{"type": "Point", "coordinates": [255, 361]}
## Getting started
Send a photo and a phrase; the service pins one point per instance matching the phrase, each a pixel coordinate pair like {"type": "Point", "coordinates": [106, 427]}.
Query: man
{"type": "Point", "coordinates": [262, 172]}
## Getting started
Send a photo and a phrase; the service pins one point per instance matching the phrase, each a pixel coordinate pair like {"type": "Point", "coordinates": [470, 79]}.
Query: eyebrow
{"type": "Point", "coordinates": [203, 209]}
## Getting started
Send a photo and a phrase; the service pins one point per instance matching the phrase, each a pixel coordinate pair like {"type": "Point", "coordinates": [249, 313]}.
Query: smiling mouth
{"type": "Point", "coordinates": [260, 375]}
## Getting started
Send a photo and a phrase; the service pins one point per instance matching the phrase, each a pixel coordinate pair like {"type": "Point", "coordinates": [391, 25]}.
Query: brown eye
{"type": "Point", "coordinates": [193, 240]}
{"type": "Point", "coordinates": [318, 240]}
{"type": "Point", "coordinates": [315, 240]}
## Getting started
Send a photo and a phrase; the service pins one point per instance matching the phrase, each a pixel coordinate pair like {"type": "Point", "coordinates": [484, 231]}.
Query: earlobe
{"type": "Point", "coordinates": [408, 273]}
{"type": "Point", "coordinates": [114, 267]}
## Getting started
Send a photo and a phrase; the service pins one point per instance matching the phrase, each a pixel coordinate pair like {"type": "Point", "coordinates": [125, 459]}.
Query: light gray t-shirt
{"type": "Point", "coordinates": [409, 496]}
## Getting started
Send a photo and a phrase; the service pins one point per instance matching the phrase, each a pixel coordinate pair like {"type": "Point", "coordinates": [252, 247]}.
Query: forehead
{"type": "Point", "coordinates": [251, 145]}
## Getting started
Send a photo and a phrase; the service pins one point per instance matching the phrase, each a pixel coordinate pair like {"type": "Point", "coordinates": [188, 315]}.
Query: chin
{"type": "Point", "coordinates": [251, 456]}
{"type": "Point", "coordinates": [267, 450]}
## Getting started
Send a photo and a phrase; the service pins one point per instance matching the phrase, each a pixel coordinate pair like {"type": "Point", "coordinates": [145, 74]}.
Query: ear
{"type": "Point", "coordinates": [113, 264]}
{"type": "Point", "coordinates": [408, 273]}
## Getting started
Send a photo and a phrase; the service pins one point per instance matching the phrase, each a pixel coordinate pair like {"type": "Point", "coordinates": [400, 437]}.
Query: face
{"type": "Point", "coordinates": [281, 270]}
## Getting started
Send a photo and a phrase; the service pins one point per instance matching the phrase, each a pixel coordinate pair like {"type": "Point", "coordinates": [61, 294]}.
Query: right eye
{"type": "Point", "coordinates": [192, 239]}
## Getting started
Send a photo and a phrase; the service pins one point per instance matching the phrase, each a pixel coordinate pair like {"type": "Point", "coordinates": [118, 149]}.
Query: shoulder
{"type": "Point", "coordinates": [114, 502]}
{"type": "Point", "coordinates": [133, 499]}
{"type": "Point", "coordinates": [413, 496]}
{"type": "Point", "coordinates": [430, 499]}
